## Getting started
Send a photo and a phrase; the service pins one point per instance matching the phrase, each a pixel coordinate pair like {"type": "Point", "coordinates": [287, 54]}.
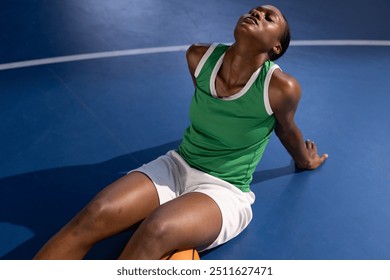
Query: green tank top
{"type": "Point", "coordinates": [227, 136]}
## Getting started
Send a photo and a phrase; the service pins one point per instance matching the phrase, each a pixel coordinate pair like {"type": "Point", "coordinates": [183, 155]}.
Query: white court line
{"type": "Point", "coordinates": [78, 57]}
{"type": "Point", "coordinates": [98, 55]}
{"type": "Point", "coordinates": [367, 43]}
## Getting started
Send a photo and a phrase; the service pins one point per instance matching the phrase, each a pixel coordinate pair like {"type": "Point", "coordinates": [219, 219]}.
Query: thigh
{"type": "Point", "coordinates": [193, 220]}
{"type": "Point", "coordinates": [120, 205]}
{"type": "Point", "coordinates": [189, 221]}
{"type": "Point", "coordinates": [114, 209]}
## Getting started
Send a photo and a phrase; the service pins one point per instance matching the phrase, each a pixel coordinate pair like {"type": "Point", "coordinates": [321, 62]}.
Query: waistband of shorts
{"type": "Point", "coordinates": [176, 157]}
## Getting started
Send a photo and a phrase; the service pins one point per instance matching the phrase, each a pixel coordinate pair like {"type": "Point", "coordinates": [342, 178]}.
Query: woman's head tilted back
{"type": "Point", "coordinates": [264, 29]}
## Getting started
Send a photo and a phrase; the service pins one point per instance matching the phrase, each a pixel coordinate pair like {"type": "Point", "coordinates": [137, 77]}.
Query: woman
{"type": "Point", "coordinates": [198, 196]}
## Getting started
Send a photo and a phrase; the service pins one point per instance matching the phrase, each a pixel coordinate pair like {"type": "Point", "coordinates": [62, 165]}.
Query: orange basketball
{"type": "Point", "coordinates": [190, 254]}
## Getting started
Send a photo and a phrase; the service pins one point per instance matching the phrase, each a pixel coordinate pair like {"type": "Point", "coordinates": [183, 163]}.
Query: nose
{"type": "Point", "coordinates": [256, 14]}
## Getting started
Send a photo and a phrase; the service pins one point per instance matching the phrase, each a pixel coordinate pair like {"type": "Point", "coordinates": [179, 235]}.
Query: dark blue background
{"type": "Point", "coordinates": [69, 129]}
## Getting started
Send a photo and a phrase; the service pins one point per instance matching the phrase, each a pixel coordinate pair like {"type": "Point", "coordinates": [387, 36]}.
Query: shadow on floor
{"type": "Point", "coordinates": [33, 206]}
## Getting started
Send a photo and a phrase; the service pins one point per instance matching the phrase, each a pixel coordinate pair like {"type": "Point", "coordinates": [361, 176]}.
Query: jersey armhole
{"type": "Point", "coordinates": [204, 59]}
{"type": "Point", "coordinates": [266, 88]}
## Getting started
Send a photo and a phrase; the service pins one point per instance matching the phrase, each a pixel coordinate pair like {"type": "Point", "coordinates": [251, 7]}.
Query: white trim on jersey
{"type": "Point", "coordinates": [266, 87]}
{"type": "Point", "coordinates": [237, 95]}
{"type": "Point", "coordinates": [204, 59]}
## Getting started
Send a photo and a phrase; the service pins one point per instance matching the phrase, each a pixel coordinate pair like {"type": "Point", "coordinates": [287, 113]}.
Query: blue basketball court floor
{"type": "Point", "coordinates": [92, 89]}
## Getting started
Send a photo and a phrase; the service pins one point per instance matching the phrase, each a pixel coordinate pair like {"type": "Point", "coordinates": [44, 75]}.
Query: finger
{"type": "Point", "coordinates": [310, 144]}
{"type": "Point", "coordinates": [320, 160]}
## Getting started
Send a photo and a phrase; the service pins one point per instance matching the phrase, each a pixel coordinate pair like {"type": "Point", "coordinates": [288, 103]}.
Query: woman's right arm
{"type": "Point", "coordinates": [194, 54]}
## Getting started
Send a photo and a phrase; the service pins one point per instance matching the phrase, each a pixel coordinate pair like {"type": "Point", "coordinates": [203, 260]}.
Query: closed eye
{"type": "Point", "coordinates": [268, 18]}
{"type": "Point", "coordinates": [256, 13]}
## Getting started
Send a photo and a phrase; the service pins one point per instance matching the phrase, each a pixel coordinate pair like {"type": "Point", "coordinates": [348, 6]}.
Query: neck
{"type": "Point", "coordinates": [239, 64]}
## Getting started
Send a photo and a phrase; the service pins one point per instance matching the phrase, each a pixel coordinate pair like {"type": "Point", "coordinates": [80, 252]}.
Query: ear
{"type": "Point", "coordinates": [277, 49]}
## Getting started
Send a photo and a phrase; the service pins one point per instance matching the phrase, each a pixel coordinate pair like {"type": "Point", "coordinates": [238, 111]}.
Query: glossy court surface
{"type": "Point", "coordinates": [92, 89]}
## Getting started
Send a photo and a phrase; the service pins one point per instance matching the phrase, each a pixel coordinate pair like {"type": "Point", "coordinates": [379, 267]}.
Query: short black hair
{"type": "Point", "coordinates": [284, 42]}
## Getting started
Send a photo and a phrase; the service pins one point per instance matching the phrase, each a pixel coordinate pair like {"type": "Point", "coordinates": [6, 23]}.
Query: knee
{"type": "Point", "coordinates": [157, 231]}
{"type": "Point", "coordinates": [94, 217]}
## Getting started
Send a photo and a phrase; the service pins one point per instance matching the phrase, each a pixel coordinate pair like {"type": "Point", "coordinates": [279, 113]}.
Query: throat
{"type": "Point", "coordinates": [233, 74]}
{"type": "Point", "coordinates": [230, 80]}
{"type": "Point", "coordinates": [227, 88]}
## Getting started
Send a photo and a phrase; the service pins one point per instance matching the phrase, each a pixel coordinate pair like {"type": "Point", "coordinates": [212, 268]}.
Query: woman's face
{"type": "Point", "coordinates": [262, 26]}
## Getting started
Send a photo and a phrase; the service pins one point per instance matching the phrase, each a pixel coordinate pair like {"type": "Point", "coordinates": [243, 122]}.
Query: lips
{"type": "Point", "coordinates": [251, 19]}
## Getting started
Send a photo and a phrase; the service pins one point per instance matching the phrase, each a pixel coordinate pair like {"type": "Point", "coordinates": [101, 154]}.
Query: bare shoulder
{"type": "Point", "coordinates": [194, 54]}
{"type": "Point", "coordinates": [284, 89]}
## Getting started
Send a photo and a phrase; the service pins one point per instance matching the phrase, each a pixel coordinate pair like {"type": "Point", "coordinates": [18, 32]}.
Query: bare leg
{"type": "Point", "coordinates": [189, 221]}
{"type": "Point", "coordinates": [116, 208]}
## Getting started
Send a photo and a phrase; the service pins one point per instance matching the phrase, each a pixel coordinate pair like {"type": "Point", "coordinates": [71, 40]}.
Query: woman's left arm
{"type": "Point", "coordinates": [284, 95]}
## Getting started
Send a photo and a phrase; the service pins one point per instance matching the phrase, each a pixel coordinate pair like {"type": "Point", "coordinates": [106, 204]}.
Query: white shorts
{"type": "Point", "coordinates": [173, 177]}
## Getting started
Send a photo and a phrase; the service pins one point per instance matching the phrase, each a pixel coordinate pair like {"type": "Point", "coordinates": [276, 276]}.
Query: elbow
{"type": "Point", "coordinates": [283, 133]}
